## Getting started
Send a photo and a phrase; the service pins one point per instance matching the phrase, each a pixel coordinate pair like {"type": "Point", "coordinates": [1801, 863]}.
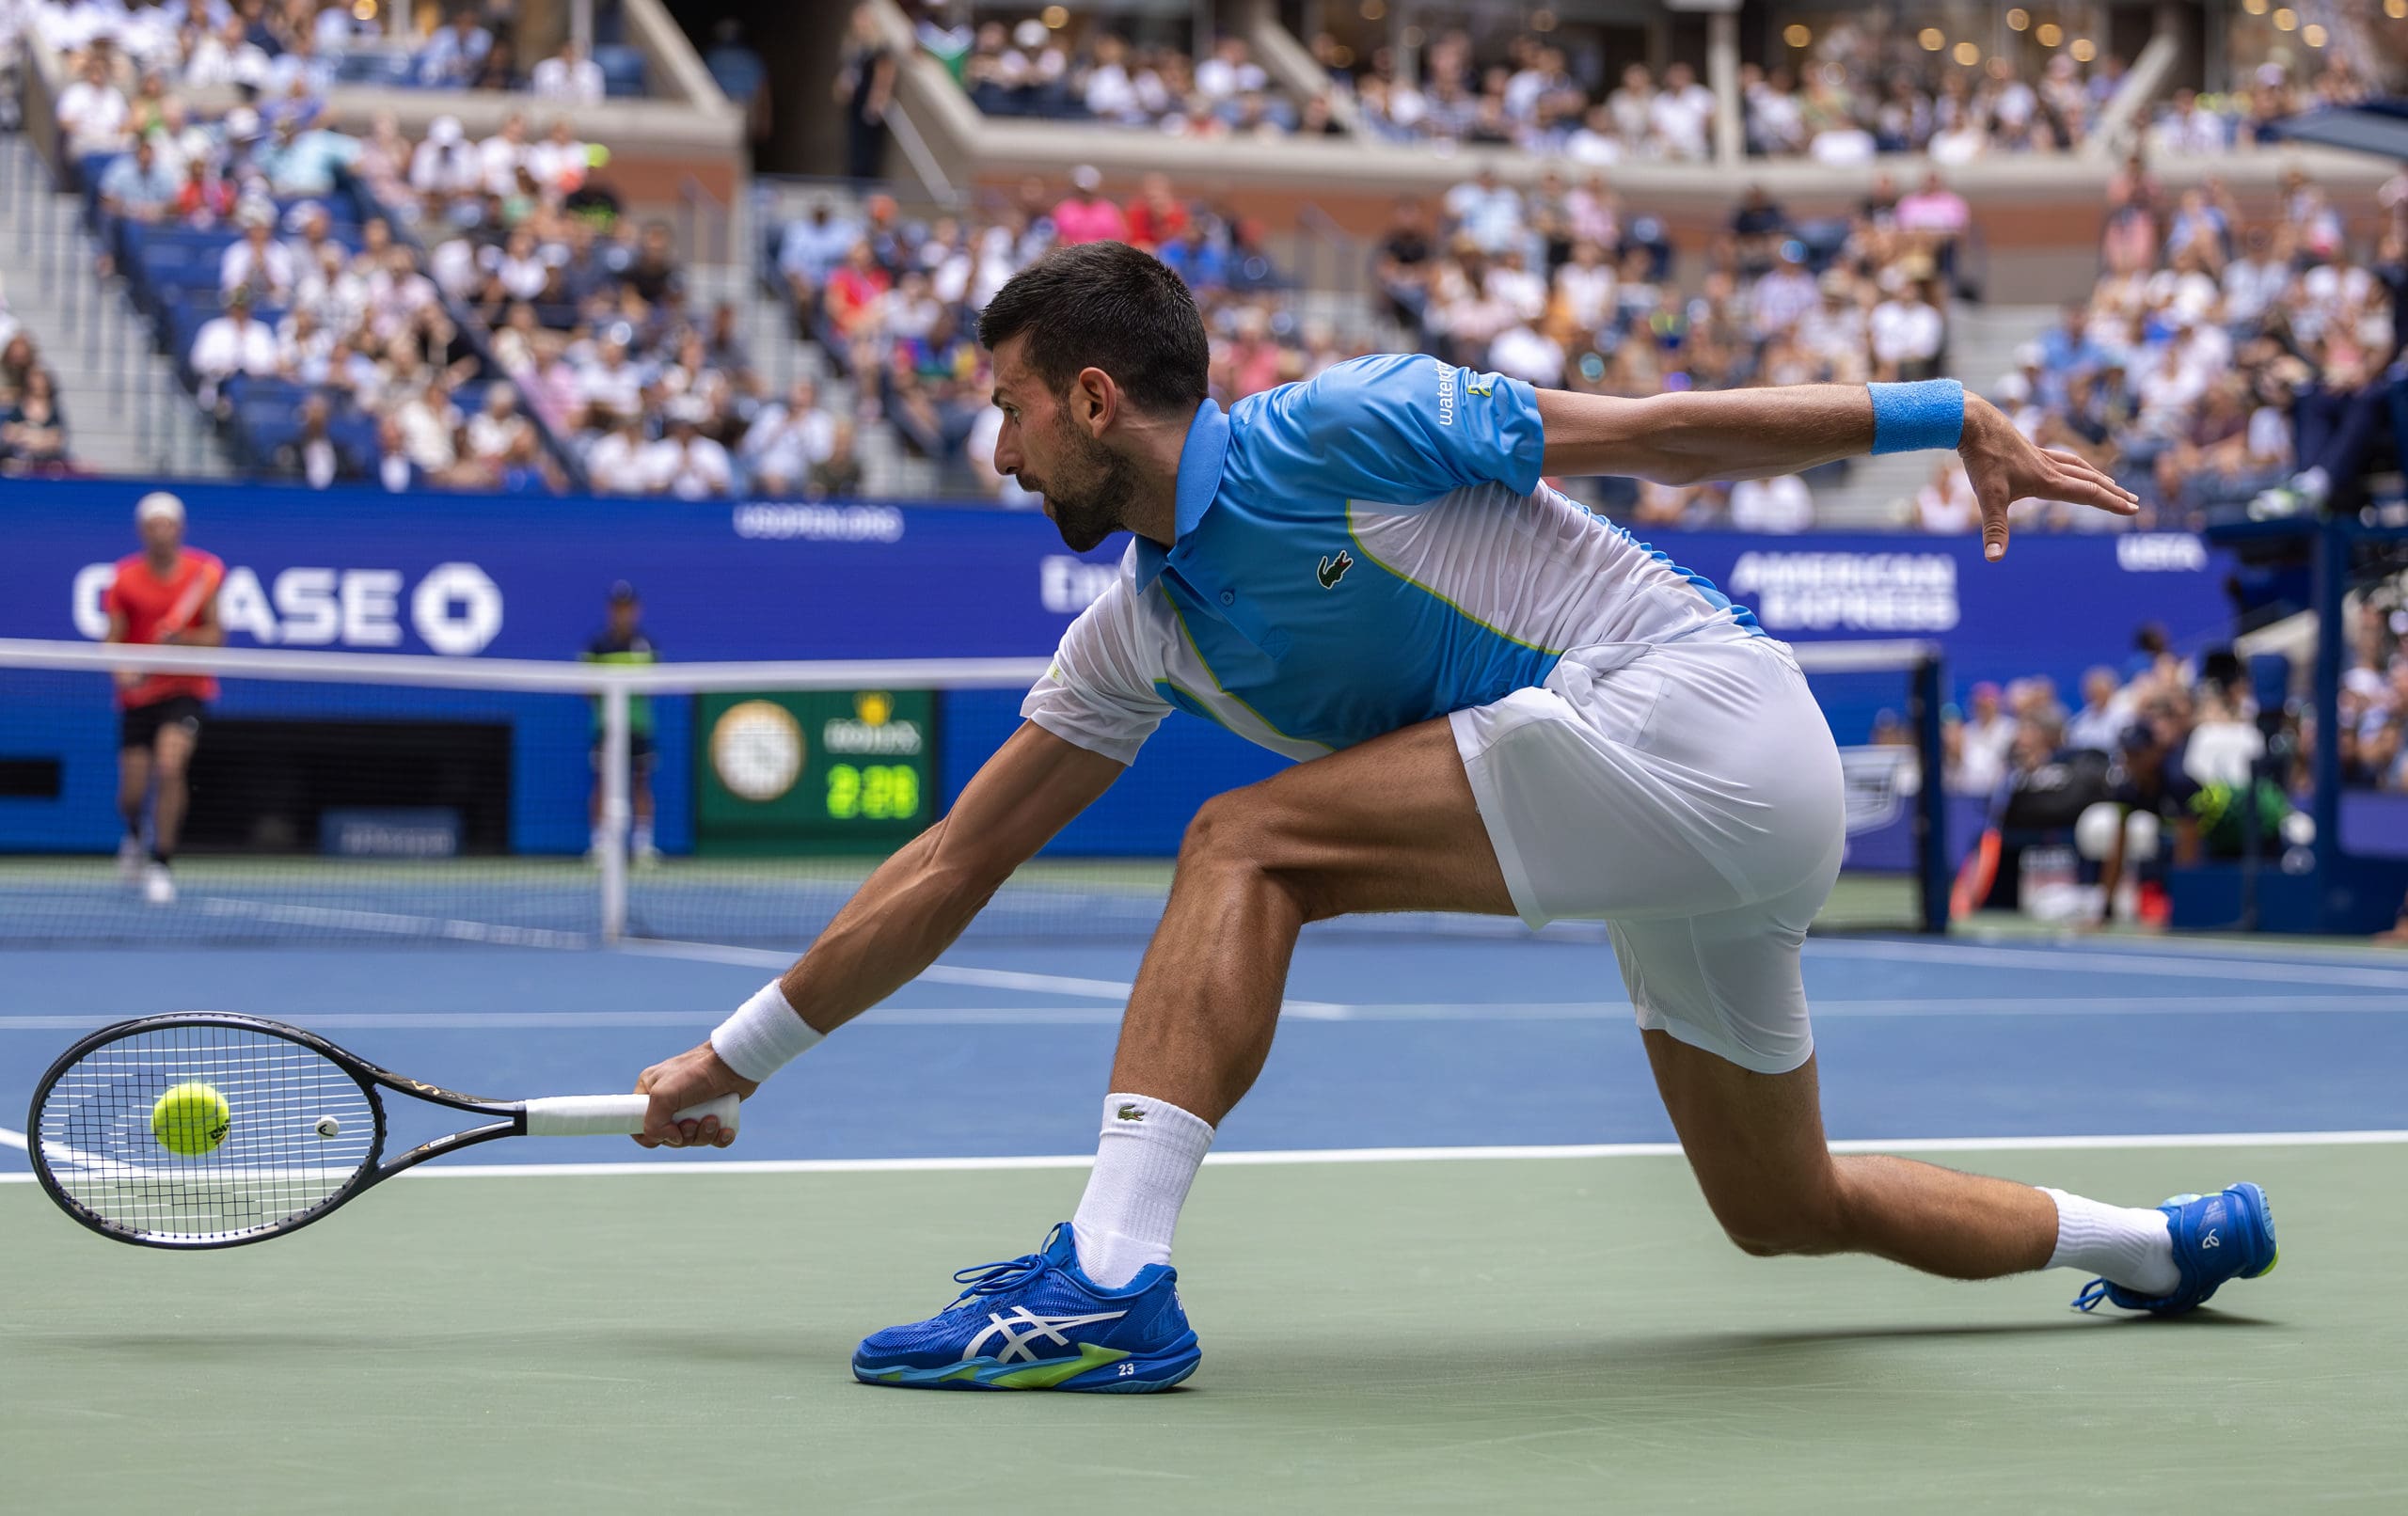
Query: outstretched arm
{"type": "Point", "coordinates": [1753, 434]}
{"type": "Point", "coordinates": [908, 911]}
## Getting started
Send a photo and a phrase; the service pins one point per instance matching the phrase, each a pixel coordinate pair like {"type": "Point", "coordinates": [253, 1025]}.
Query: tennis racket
{"type": "Point", "coordinates": [196, 594]}
{"type": "Point", "coordinates": [303, 1129]}
{"type": "Point", "coordinates": [179, 616]}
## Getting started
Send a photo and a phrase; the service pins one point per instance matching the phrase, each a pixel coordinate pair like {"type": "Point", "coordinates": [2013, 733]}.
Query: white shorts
{"type": "Point", "coordinates": [1689, 793]}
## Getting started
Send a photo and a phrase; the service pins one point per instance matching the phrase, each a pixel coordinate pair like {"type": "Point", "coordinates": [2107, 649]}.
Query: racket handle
{"type": "Point", "coordinates": [611, 1116]}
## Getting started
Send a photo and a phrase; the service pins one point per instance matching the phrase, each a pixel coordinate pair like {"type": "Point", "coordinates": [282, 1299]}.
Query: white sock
{"type": "Point", "coordinates": [2122, 1244]}
{"type": "Point", "coordinates": [1145, 1159]}
{"type": "Point", "coordinates": [643, 837]}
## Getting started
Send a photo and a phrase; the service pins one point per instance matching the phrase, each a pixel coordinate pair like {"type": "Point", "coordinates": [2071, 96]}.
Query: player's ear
{"type": "Point", "coordinates": [1094, 400]}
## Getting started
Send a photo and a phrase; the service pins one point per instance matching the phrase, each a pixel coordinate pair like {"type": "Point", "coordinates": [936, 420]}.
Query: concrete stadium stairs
{"type": "Point", "coordinates": [125, 412]}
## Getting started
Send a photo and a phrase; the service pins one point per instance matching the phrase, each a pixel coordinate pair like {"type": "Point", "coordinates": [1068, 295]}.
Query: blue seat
{"type": "Point", "coordinates": [353, 435]}
{"type": "Point", "coordinates": [622, 68]}
{"type": "Point", "coordinates": [390, 71]}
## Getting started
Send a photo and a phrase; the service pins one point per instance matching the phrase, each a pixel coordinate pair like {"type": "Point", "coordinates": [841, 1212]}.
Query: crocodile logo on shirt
{"type": "Point", "coordinates": [1334, 569]}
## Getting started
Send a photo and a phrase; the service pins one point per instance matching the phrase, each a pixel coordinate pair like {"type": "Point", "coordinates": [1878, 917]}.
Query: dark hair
{"type": "Point", "coordinates": [1105, 304]}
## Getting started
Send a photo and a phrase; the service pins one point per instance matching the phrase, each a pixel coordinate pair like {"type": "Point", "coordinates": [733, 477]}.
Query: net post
{"type": "Point", "coordinates": [616, 764]}
{"type": "Point", "coordinates": [1931, 798]}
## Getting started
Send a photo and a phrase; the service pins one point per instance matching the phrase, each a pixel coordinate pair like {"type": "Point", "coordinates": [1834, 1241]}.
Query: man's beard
{"type": "Point", "coordinates": [1090, 488]}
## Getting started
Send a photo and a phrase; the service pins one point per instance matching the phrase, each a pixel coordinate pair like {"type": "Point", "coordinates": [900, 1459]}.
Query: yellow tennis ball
{"type": "Point", "coordinates": [191, 1119]}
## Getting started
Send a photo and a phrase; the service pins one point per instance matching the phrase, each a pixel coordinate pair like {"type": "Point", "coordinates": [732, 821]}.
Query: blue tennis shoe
{"type": "Point", "coordinates": [2228, 1235]}
{"type": "Point", "coordinates": [1037, 1322]}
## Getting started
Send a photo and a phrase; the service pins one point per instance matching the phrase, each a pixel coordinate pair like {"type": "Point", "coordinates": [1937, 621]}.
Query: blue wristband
{"type": "Point", "coordinates": [1929, 412]}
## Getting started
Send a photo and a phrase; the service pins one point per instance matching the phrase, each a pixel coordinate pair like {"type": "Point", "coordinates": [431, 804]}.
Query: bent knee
{"type": "Point", "coordinates": [1240, 828]}
{"type": "Point", "coordinates": [1249, 833]}
{"type": "Point", "coordinates": [1803, 1227]}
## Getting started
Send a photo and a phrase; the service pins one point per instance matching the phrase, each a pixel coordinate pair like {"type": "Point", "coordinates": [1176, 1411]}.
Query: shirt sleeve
{"type": "Point", "coordinates": [1402, 429]}
{"type": "Point", "coordinates": [1100, 693]}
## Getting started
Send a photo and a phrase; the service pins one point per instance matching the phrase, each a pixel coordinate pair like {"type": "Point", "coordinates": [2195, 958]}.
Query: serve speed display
{"type": "Point", "coordinates": [849, 771]}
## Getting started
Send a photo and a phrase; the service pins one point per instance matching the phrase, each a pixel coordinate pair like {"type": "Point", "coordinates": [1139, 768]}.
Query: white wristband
{"type": "Point", "coordinates": [764, 1035]}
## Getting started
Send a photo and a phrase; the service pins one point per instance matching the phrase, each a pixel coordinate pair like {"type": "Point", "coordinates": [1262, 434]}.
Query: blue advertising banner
{"type": "Point", "coordinates": [468, 576]}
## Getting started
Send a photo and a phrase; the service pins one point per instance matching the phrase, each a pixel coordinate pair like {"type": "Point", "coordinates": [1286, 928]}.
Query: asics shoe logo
{"type": "Point", "coordinates": [1024, 1327]}
{"type": "Point", "coordinates": [2210, 1241]}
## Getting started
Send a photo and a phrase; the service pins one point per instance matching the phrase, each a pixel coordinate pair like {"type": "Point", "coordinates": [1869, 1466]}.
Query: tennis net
{"type": "Point", "coordinates": [395, 798]}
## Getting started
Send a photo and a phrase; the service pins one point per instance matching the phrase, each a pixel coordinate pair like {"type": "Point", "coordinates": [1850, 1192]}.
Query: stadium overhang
{"type": "Point", "coordinates": [2379, 127]}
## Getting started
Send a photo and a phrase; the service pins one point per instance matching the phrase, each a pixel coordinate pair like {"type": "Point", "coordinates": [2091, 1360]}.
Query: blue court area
{"type": "Point", "coordinates": [1389, 1040]}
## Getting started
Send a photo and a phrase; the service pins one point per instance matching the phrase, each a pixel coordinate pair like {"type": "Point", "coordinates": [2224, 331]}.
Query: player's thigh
{"type": "Point", "coordinates": [1721, 1000]}
{"type": "Point", "coordinates": [1755, 1143]}
{"type": "Point", "coordinates": [1729, 981]}
{"type": "Point", "coordinates": [1387, 824]}
{"type": "Point", "coordinates": [171, 749]}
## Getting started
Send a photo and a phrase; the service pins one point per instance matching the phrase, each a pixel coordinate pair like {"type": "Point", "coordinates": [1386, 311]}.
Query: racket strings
{"type": "Point", "coordinates": [273, 1166]}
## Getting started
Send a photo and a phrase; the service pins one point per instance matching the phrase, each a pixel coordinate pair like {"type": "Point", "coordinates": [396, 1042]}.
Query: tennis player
{"type": "Point", "coordinates": [624, 641]}
{"type": "Point", "coordinates": [1502, 703]}
{"type": "Point", "coordinates": [167, 593]}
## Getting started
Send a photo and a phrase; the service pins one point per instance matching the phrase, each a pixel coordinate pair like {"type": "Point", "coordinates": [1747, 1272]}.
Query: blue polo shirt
{"type": "Point", "coordinates": [1356, 554]}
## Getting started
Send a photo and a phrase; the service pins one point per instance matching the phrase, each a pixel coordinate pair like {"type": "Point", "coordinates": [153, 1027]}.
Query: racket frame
{"type": "Point", "coordinates": [511, 1122]}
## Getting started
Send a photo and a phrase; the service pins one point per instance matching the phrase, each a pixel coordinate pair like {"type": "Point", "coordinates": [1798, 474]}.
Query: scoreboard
{"type": "Point", "coordinates": [813, 772]}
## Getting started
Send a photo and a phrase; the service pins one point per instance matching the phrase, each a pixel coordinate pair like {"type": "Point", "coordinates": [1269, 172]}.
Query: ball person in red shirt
{"type": "Point", "coordinates": [166, 593]}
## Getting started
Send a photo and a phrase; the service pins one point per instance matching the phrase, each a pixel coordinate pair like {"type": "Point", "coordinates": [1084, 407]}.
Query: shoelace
{"type": "Point", "coordinates": [1004, 1276]}
{"type": "Point", "coordinates": [2092, 1293]}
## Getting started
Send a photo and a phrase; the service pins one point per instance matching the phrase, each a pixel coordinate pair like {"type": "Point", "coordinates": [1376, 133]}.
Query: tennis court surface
{"type": "Point", "coordinates": [1442, 1258]}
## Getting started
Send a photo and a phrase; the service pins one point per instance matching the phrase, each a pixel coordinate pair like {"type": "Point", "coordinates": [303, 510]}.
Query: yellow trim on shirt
{"type": "Point", "coordinates": [1206, 665]}
{"type": "Point", "coordinates": [1444, 600]}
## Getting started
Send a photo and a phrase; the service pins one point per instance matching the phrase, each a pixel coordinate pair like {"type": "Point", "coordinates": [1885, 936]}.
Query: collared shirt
{"type": "Point", "coordinates": [1354, 554]}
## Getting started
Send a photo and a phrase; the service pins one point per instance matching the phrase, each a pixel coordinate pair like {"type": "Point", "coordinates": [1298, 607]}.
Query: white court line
{"type": "Point", "coordinates": [1274, 1158]}
{"type": "Point", "coordinates": [1278, 1157]}
{"type": "Point", "coordinates": [13, 1138]}
{"type": "Point", "coordinates": [938, 973]}
{"type": "Point", "coordinates": [1908, 1008]}
{"type": "Point", "coordinates": [2055, 959]}
{"type": "Point", "coordinates": [2045, 956]}
{"type": "Point", "coordinates": [390, 924]}
{"type": "Point", "coordinates": [2261, 949]}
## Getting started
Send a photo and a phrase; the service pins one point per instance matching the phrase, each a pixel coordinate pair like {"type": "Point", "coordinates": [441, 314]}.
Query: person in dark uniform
{"type": "Point", "coordinates": [623, 640]}
{"type": "Point", "coordinates": [2149, 776]}
{"type": "Point", "coordinates": [864, 87]}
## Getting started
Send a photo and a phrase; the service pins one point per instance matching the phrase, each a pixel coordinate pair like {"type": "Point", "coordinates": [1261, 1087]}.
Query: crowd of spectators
{"type": "Point", "coordinates": [1864, 86]}
{"type": "Point", "coordinates": [2194, 124]}
{"type": "Point", "coordinates": [1561, 286]}
{"type": "Point", "coordinates": [33, 428]}
{"type": "Point", "coordinates": [892, 303]}
{"type": "Point", "coordinates": [1031, 69]}
{"type": "Point", "coordinates": [2164, 759]}
{"type": "Point", "coordinates": [2171, 755]}
{"type": "Point", "coordinates": [497, 267]}
{"type": "Point", "coordinates": [2223, 363]}
{"type": "Point", "coordinates": [1565, 287]}
{"type": "Point", "coordinates": [2182, 739]}
{"type": "Point", "coordinates": [1860, 90]}
{"type": "Point", "coordinates": [289, 52]}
